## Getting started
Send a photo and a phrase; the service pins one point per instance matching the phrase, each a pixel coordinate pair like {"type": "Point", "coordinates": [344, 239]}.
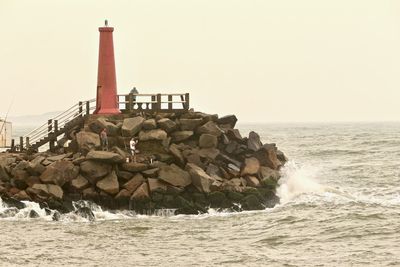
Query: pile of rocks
{"type": "Point", "coordinates": [188, 161]}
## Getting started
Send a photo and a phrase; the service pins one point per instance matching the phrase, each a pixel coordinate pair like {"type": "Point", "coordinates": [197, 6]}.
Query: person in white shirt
{"type": "Point", "coordinates": [132, 145]}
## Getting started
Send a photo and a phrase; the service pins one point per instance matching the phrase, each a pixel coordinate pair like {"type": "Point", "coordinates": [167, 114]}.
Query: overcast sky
{"type": "Point", "coordinates": [264, 61]}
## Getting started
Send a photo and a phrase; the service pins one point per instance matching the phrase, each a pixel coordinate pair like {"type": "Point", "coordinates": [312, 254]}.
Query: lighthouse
{"type": "Point", "coordinates": [106, 99]}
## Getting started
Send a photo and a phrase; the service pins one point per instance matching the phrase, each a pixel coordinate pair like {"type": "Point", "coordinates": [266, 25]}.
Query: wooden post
{"type": "Point", "coordinates": [130, 99]}
{"type": "Point", "coordinates": [169, 102]}
{"type": "Point", "coordinates": [80, 108]}
{"type": "Point", "coordinates": [21, 143]}
{"type": "Point", "coordinates": [56, 126]}
{"type": "Point", "coordinates": [153, 99]}
{"type": "Point", "coordinates": [87, 107]}
{"type": "Point", "coordinates": [12, 145]}
{"type": "Point", "coordinates": [159, 102]}
{"type": "Point", "coordinates": [50, 135]}
{"type": "Point", "coordinates": [187, 101]}
{"type": "Point", "coordinates": [27, 142]}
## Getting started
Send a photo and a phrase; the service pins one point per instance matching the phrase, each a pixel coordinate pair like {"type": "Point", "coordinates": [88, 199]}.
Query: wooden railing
{"type": "Point", "coordinates": [49, 131]}
{"type": "Point", "coordinates": [153, 102]}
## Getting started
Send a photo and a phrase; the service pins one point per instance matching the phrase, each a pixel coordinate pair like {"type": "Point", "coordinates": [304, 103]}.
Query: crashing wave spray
{"type": "Point", "coordinates": [297, 180]}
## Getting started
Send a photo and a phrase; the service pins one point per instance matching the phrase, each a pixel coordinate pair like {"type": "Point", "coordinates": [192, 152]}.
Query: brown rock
{"type": "Point", "coordinates": [156, 185]}
{"type": "Point", "coordinates": [201, 180]}
{"type": "Point", "coordinates": [166, 124]}
{"type": "Point", "coordinates": [149, 124]}
{"type": "Point", "coordinates": [142, 192]}
{"type": "Point", "coordinates": [90, 193]}
{"type": "Point", "coordinates": [151, 173]}
{"type": "Point", "coordinates": [208, 141]}
{"type": "Point", "coordinates": [267, 156]}
{"type": "Point", "coordinates": [132, 126]}
{"type": "Point", "coordinates": [134, 167]}
{"type": "Point", "coordinates": [123, 194]}
{"type": "Point", "coordinates": [105, 156]}
{"type": "Point", "coordinates": [50, 189]}
{"type": "Point", "coordinates": [209, 128]}
{"type": "Point", "coordinates": [180, 136]}
{"type": "Point", "coordinates": [124, 175]}
{"type": "Point", "coordinates": [252, 181]}
{"type": "Point", "coordinates": [59, 173]}
{"type": "Point", "coordinates": [31, 180]}
{"type": "Point", "coordinates": [94, 170]}
{"type": "Point", "coordinates": [22, 195]}
{"type": "Point", "coordinates": [174, 175]}
{"type": "Point", "coordinates": [87, 141]}
{"type": "Point", "coordinates": [266, 172]}
{"type": "Point", "coordinates": [234, 135]}
{"type": "Point", "coordinates": [190, 124]}
{"type": "Point", "coordinates": [229, 119]}
{"type": "Point", "coordinates": [253, 142]}
{"type": "Point", "coordinates": [209, 153]}
{"type": "Point", "coordinates": [156, 134]}
{"type": "Point", "coordinates": [80, 183]}
{"type": "Point", "coordinates": [251, 166]}
{"type": "Point", "coordinates": [174, 150]}
{"type": "Point", "coordinates": [109, 184]}
{"type": "Point", "coordinates": [134, 183]}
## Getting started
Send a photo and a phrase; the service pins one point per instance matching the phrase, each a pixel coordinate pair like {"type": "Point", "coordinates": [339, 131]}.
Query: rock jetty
{"type": "Point", "coordinates": [188, 161]}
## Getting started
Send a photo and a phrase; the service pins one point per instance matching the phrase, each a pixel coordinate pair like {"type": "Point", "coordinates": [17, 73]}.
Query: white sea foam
{"type": "Point", "coordinates": [298, 180]}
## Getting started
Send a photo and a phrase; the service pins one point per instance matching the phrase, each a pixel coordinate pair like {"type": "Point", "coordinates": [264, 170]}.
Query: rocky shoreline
{"type": "Point", "coordinates": [188, 161]}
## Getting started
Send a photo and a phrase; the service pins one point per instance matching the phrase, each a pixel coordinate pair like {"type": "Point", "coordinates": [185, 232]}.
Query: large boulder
{"type": "Point", "coordinates": [95, 170]}
{"type": "Point", "coordinates": [156, 134]}
{"type": "Point", "coordinates": [35, 166]}
{"type": "Point", "coordinates": [132, 126]}
{"type": "Point", "coordinates": [174, 150]}
{"type": "Point", "coordinates": [50, 189]}
{"type": "Point", "coordinates": [142, 192]}
{"type": "Point", "coordinates": [268, 173]}
{"type": "Point", "coordinates": [80, 183]}
{"type": "Point", "coordinates": [174, 175]}
{"type": "Point", "coordinates": [134, 183]}
{"type": "Point", "coordinates": [149, 124]}
{"type": "Point", "coordinates": [267, 156]}
{"type": "Point", "coordinates": [109, 184]}
{"type": "Point", "coordinates": [251, 166]}
{"type": "Point", "coordinates": [180, 136]}
{"type": "Point", "coordinates": [59, 173]}
{"type": "Point", "coordinates": [209, 128]}
{"type": "Point", "coordinates": [190, 124]}
{"type": "Point", "coordinates": [166, 124]}
{"type": "Point", "coordinates": [254, 142]}
{"type": "Point", "coordinates": [208, 141]}
{"type": "Point", "coordinates": [105, 156]}
{"type": "Point", "coordinates": [87, 141]}
{"type": "Point", "coordinates": [228, 120]}
{"type": "Point", "coordinates": [100, 123]}
{"type": "Point", "coordinates": [156, 185]}
{"type": "Point", "coordinates": [200, 179]}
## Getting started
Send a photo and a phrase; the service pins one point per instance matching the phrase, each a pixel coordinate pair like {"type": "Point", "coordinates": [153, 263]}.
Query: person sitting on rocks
{"type": "Point", "coordinates": [132, 145]}
{"type": "Point", "coordinates": [104, 139]}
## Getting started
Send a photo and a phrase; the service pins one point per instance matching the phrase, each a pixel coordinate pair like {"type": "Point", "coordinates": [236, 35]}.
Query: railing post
{"type": "Point", "coordinates": [187, 101]}
{"type": "Point", "coordinates": [153, 105]}
{"type": "Point", "coordinates": [21, 143]}
{"type": "Point", "coordinates": [56, 126]}
{"type": "Point", "coordinates": [12, 144]}
{"type": "Point", "coordinates": [80, 108]}
{"type": "Point", "coordinates": [50, 134]}
{"type": "Point", "coordinates": [87, 107]}
{"type": "Point", "coordinates": [27, 142]}
{"type": "Point", "coordinates": [130, 99]}
{"type": "Point", "coordinates": [169, 102]}
{"type": "Point", "coordinates": [159, 101]}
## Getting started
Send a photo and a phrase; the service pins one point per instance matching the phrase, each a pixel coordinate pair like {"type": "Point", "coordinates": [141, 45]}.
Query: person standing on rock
{"type": "Point", "coordinates": [104, 139]}
{"type": "Point", "coordinates": [132, 145]}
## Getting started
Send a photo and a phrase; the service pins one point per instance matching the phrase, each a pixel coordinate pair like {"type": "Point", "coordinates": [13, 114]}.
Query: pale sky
{"type": "Point", "coordinates": [265, 61]}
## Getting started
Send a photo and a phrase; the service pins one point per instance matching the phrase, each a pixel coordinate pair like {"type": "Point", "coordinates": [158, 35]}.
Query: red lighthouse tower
{"type": "Point", "coordinates": [106, 100]}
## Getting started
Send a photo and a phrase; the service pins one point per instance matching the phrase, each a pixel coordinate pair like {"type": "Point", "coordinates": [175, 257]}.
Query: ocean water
{"type": "Point", "coordinates": [340, 206]}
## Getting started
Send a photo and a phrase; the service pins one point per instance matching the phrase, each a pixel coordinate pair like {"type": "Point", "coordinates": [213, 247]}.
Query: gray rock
{"type": "Point", "coordinates": [166, 124]}
{"type": "Point", "coordinates": [201, 180]}
{"type": "Point", "coordinates": [174, 150]}
{"type": "Point", "coordinates": [180, 136]}
{"type": "Point", "coordinates": [208, 141]}
{"type": "Point", "coordinates": [50, 189]}
{"type": "Point", "coordinates": [209, 128]}
{"type": "Point", "coordinates": [209, 153]}
{"type": "Point", "coordinates": [132, 126]}
{"type": "Point", "coordinates": [156, 185]}
{"type": "Point", "coordinates": [149, 124]}
{"type": "Point", "coordinates": [254, 143]}
{"type": "Point", "coordinates": [134, 167]}
{"type": "Point", "coordinates": [59, 173]}
{"type": "Point", "coordinates": [99, 124]}
{"type": "Point", "coordinates": [109, 184]}
{"type": "Point", "coordinates": [156, 134]}
{"type": "Point", "coordinates": [142, 192]}
{"type": "Point", "coordinates": [229, 119]}
{"type": "Point", "coordinates": [190, 124]}
{"type": "Point", "coordinates": [94, 170]}
{"type": "Point", "coordinates": [266, 172]}
{"type": "Point", "coordinates": [267, 156]}
{"type": "Point", "coordinates": [252, 181]}
{"type": "Point", "coordinates": [87, 141]}
{"type": "Point", "coordinates": [174, 175]}
{"type": "Point", "coordinates": [105, 156]}
{"type": "Point", "coordinates": [80, 183]}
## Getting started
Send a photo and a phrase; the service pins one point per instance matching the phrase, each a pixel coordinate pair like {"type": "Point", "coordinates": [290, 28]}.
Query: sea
{"type": "Point", "coordinates": [340, 206]}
